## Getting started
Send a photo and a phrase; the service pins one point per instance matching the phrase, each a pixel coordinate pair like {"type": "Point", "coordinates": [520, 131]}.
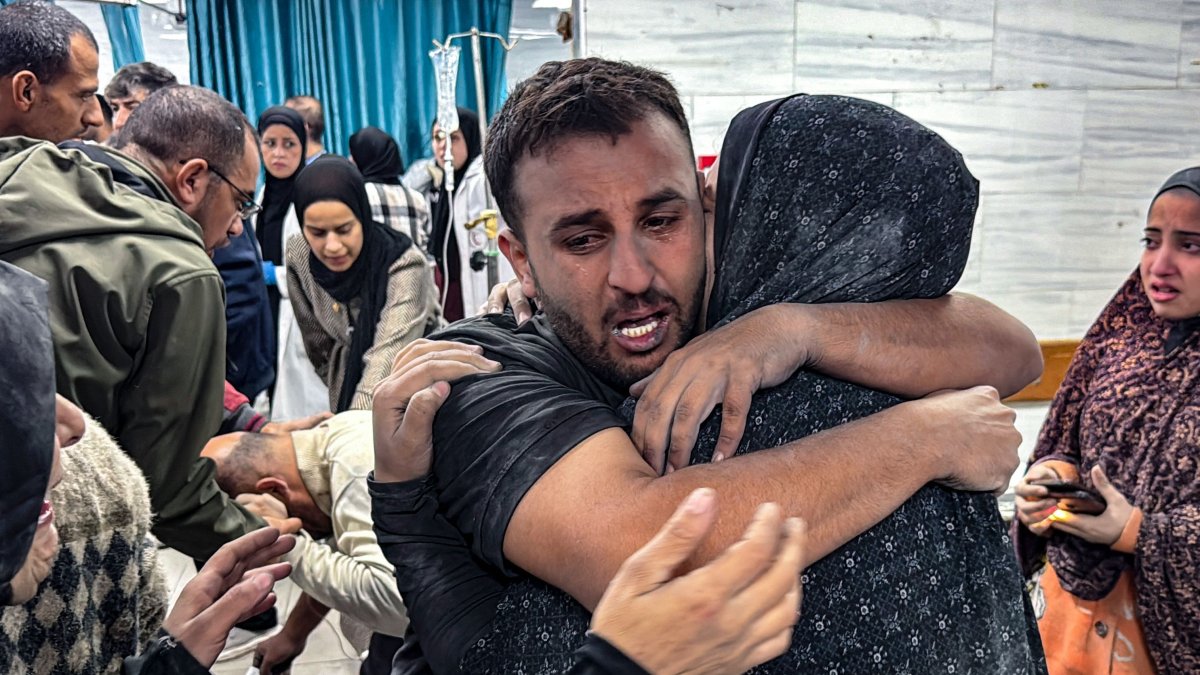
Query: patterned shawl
{"type": "Point", "coordinates": [1132, 407]}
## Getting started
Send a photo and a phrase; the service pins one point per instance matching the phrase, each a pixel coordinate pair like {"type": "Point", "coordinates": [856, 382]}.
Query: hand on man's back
{"type": "Point", "coordinates": [726, 617]}
{"type": "Point", "coordinates": [406, 402]}
{"type": "Point", "coordinates": [725, 366]}
{"type": "Point", "coordinates": [974, 436]}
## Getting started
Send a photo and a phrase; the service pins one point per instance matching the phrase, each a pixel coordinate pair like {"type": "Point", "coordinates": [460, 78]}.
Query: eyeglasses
{"type": "Point", "coordinates": [248, 207]}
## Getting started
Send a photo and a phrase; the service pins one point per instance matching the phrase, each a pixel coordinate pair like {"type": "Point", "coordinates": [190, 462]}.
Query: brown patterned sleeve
{"type": "Point", "coordinates": [402, 320]}
{"type": "Point", "coordinates": [1167, 561]}
{"type": "Point", "coordinates": [317, 343]}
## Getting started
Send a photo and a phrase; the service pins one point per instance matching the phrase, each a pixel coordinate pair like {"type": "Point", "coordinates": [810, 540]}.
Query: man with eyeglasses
{"type": "Point", "coordinates": [124, 238]}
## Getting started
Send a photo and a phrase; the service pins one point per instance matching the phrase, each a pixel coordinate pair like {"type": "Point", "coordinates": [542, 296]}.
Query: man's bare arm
{"type": "Point", "coordinates": [910, 348]}
{"type": "Point", "coordinates": [913, 348]}
{"type": "Point", "coordinates": [616, 501]}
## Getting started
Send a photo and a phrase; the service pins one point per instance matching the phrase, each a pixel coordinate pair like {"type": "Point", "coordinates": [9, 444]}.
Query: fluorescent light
{"type": "Point", "coordinates": [552, 4]}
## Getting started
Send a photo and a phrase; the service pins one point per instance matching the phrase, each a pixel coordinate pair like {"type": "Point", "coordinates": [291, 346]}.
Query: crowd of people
{"type": "Point", "coordinates": [225, 339]}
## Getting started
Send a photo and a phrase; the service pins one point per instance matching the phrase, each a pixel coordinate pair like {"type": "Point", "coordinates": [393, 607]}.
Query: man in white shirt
{"type": "Point", "coordinates": [319, 475]}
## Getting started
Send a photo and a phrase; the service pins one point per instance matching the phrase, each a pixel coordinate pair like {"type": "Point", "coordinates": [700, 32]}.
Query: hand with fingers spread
{"type": "Point", "coordinates": [508, 294]}
{"type": "Point", "coordinates": [1103, 528]}
{"type": "Point", "coordinates": [235, 584]}
{"type": "Point", "coordinates": [979, 436]}
{"type": "Point", "coordinates": [406, 402]}
{"type": "Point", "coordinates": [1033, 501]}
{"type": "Point", "coordinates": [723, 367]}
{"type": "Point", "coordinates": [732, 614]}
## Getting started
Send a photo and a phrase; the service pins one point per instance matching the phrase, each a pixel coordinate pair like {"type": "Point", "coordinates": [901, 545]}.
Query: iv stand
{"type": "Point", "coordinates": [445, 54]}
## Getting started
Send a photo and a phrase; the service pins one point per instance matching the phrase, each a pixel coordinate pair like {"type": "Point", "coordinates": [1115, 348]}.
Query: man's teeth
{"type": "Point", "coordinates": [639, 331]}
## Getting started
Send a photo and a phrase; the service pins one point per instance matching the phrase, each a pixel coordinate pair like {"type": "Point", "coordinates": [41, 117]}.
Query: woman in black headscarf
{"type": "Point", "coordinates": [394, 204]}
{"type": "Point", "coordinates": [376, 155]}
{"type": "Point", "coordinates": [298, 390]}
{"type": "Point", "coordinates": [464, 286]}
{"type": "Point", "coordinates": [360, 290]}
{"type": "Point", "coordinates": [862, 204]}
{"type": "Point", "coordinates": [283, 144]}
{"type": "Point", "coordinates": [28, 539]}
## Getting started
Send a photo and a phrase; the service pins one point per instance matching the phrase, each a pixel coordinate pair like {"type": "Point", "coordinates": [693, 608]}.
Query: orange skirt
{"type": "Point", "coordinates": [1091, 637]}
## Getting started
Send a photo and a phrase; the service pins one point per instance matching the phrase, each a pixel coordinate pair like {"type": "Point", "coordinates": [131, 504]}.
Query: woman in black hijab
{"type": "Point", "coordinates": [466, 148]}
{"type": "Point", "coordinates": [359, 290]}
{"type": "Point", "coordinates": [394, 204]}
{"type": "Point", "coordinates": [875, 207]}
{"type": "Point", "coordinates": [377, 156]}
{"type": "Point", "coordinates": [28, 540]}
{"type": "Point", "coordinates": [283, 141]}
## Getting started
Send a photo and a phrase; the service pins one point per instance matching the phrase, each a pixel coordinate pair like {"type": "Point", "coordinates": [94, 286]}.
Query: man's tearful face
{"type": "Point", "coordinates": [614, 245]}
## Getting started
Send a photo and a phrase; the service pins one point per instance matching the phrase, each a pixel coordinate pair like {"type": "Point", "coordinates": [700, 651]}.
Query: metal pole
{"type": "Point", "coordinates": [579, 30]}
{"type": "Point", "coordinates": [493, 269]}
{"type": "Point", "coordinates": [481, 102]}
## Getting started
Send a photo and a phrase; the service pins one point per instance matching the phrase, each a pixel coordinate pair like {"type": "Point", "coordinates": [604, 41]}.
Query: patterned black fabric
{"type": "Point", "coordinates": [839, 200]}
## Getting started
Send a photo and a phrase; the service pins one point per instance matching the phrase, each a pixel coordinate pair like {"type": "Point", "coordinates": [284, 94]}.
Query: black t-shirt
{"type": "Point", "coordinates": [497, 434]}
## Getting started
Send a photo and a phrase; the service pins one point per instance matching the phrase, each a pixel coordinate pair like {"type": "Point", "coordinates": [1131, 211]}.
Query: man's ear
{"type": "Point", "coordinates": [514, 250]}
{"type": "Point", "coordinates": [276, 487]}
{"type": "Point", "coordinates": [26, 90]}
{"type": "Point", "coordinates": [193, 180]}
{"type": "Point", "coordinates": [708, 196]}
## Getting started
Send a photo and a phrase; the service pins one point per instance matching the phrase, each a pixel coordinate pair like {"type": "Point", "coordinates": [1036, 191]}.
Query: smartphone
{"type": "Point", "coordinates": [1075, 498]}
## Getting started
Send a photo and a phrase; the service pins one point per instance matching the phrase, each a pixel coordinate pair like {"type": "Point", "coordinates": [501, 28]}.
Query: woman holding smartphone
{"type": "Point", "coordinates": [1118, 591]}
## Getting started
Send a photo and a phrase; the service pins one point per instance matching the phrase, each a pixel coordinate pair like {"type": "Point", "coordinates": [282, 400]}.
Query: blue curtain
{"type": "Point", "coordinates": [367, 61]}
{"type": "Point", "coordinates": [124, 33]}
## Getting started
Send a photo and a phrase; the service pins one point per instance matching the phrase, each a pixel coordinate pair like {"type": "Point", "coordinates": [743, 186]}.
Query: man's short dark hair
{"type": "Point", "coordinates": [312, 112]}
{"type": "Point", "coordinates": [567, 99]}
{"type": "Point", "coordinates": [144, 75]}
{"type": "Point", "coordinates": [185, 122]}
{"type": "Point", "coordinates": [36, 36]}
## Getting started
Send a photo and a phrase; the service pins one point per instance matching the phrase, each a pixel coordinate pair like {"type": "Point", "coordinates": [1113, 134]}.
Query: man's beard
{"type": "Point", "coordinates": [592, 351]}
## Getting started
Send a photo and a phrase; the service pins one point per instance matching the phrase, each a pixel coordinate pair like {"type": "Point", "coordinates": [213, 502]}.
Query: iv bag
{"type": "Point", "coordinates": [445, 67]}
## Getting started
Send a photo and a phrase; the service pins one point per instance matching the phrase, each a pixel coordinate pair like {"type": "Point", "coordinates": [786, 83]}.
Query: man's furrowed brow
{"type": "Point", "coordinates": [575, 219]}
{"type": "Point", "coordinates": [661, 197]}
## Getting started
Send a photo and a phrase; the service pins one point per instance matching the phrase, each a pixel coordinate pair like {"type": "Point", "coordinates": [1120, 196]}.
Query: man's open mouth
{"type": "Point", "coordinates": [642, 334]}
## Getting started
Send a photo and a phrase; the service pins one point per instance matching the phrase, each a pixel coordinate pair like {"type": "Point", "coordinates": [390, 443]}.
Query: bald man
{"type": "Point", "coordinates": [319, 476]}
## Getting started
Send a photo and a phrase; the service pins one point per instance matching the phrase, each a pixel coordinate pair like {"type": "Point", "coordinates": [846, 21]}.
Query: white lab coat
{"type": "Point", "coordinates": [299, 391]}
{"type": "Point", "coordinates": [469, 201]}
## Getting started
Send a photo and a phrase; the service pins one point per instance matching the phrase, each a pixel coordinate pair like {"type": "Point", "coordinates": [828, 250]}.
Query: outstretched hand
{"type": "Point", "coordinates": [234, 585]}
{"type": "Point", "coordinates": [726, 617]}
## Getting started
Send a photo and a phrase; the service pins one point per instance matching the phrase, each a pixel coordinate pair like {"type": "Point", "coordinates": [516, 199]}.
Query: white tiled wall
{"type": "Point", "coordinates": [1070, 112]}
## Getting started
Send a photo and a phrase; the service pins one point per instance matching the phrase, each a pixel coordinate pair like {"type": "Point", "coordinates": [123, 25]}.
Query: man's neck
{"type": "Point", "coordinates": [315, 148]}
{"type": "Point", "coordinates": [305, 463]}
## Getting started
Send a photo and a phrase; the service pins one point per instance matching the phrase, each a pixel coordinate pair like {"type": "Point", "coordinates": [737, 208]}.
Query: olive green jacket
{"type": "Point", "coordinates": [137, 312]}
